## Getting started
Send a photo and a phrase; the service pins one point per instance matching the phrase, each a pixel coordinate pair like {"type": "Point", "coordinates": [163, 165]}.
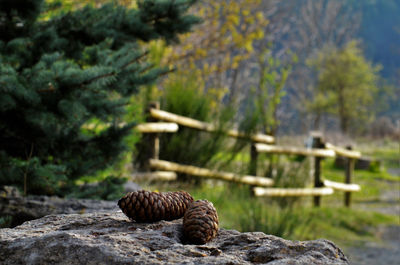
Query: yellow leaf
{"type": "Point", "coordinates": [234, 19]}
{"type": "Point", "coordinates": [235, 65]}
{"type": "Point", "coordinates": [260, 15]}
{"type": "Point", "coordinates": [249, 20]}
{"type": "Point", "coordinates": [249, 46]}
{"type": "Point", "coordinates": [246, 12]}
{"type": "Point", "coordinates": [259, 34]}
{"type": "Point", "coordinates": [206, 66]}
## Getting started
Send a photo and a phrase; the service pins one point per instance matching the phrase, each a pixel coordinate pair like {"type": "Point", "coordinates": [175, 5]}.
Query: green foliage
{"type": "Point", "coordinates": [273, 220]}
{"type": "Point", "coordinates": [5, 221]}
{"type": "Point", "coordinates": [189, 146]}
{"type": "Point", "coordinates": [375, 166]}
{"type": "Point", "coordinates": [219, 45]}
{"type": "Point", "coordinates": [237, 209]}
{"type": "Point", "coordinates": [386, 150]}
{"type": "Point", "coordinates": [373, 184]}
{"type": "Point", "coordinates": [346, 86]}
{"type": "Point", "coordinates": [291, 172]}
{"type": "Point", "coordinates": [183, 96]}
{"type": "Point", "coordinates": [59, 75]}
{"type": "Point", "coordinates": [109, 188]}
{"type": "Point", "coordinates": [42, 177]}
{"type": "Point", "coordinates": [343, 225]}
{"type": "Point", "coordinates": [270, 90]}
{"type": "Point", "coordinates": [287, 172]}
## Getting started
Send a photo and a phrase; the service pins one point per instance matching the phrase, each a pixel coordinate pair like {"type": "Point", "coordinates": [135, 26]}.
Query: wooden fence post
{"type": "Point", "coordinates": [149, 145]}
{"type": "Point", "coordinates": [317, 143]}
{"type": "Point", "coordinates": [349, 173]}
{"type": "Point", "coordinates": [253, 164]}
{"type": "Point", "coordinates": [253, 160]}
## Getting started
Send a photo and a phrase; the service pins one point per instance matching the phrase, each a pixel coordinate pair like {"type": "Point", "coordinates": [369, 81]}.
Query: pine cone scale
{"type": "Point", "coordinates": [200, 222]}
{"type": "Point", "coordinates": [145, 206]}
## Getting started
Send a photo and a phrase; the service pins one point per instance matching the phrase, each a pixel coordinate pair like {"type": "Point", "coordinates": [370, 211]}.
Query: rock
{"type": "Point", "coordinates": [111, 238]}
{"type": "Point", "coordinates": [23, 209]}
{"type": "Point", "coordinates": [130, 186]}
{"type": "Point", "coordinates": [9, 191]}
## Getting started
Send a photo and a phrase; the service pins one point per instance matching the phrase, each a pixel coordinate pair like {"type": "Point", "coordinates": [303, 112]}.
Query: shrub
{"type": "Point", "coordinates": [188, 146]}
{"type": "Point", "coordinates": [65, 83]}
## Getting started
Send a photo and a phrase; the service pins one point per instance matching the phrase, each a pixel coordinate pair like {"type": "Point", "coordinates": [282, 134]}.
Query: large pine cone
{"type": "Point", "coordinates": [200, 222]}
{"type": "Point", "coordinates": [146, 206]}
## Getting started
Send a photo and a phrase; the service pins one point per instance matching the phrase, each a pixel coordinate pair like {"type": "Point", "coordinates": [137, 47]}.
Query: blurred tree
{"type": "Point", "coordinates": [183, 96]}
{"type": "Point", "coordinates": [317, 23]}
{"type": "Point", "coordinates": [215, 50]}
{"type": "Point", "coordinates": [310, 25]}
{"type": "Point", "coordinates": [270, 89]}
{"type": "Point", "coordinates": [206, 62]}
{"type": "Point", "coordinates": [346, 84]}
{"type": "Point", "coordinates": [62, 76]}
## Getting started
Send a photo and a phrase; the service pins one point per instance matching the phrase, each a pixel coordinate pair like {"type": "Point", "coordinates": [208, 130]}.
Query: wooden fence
{"type": "Point", "coordinates": [159, 121]}
{"type": "Point", "coordinates": [319, 150]}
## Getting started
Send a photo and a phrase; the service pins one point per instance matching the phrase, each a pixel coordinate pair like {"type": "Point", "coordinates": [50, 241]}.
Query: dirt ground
{"type": "Point", "coordinates": [387, 250]}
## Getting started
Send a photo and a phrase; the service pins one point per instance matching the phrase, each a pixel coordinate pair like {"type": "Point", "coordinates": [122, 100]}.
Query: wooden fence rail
{"type": "Point", "coordinates": [341, 186]}
{"type": "Point", "coordinates": [260, 143]}
{"type": "Point", "coordinates": [156, 175]}
{"type": "Point", "coordinates": [204, 126]}
{"type": "Point", "coordinates": [286, 192]}
{"type": "Point", "coordinates": [157, 127]}
{"type": "Point", "coordinates": [207, 173]}
{"type": "Point", "coordinates": [339, 151]}
{"type": "Point", "coordinates": [263, 148]}
{"type": "Point", "coordinates": [319, 150]}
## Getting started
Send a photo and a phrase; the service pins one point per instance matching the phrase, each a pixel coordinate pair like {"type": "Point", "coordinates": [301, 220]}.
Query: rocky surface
{"type": "Point", "coordinates": [31, 207]}
{"type": "Point", "coordinates": [111, 238]}
{"type": "Point", "coordinates": [22, 209]}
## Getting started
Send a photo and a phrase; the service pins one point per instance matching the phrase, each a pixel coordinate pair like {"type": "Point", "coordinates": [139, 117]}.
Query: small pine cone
{"type": "Point", "coordinates": [146, 206]}
{"type": "Point", "coordinates": [200, 222]}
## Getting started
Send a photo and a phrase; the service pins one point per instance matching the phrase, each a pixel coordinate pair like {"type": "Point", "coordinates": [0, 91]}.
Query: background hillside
{"type": "Point", "coordinates": [304, 27]}
{"type": "Point", "coordinates": [380, 32]}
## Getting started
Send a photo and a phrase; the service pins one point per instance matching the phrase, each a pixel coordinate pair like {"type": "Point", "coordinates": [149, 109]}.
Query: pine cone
{"type": "Point", "coordinates": [200, 222]}
{"type": "Point", "coordinates": [146, 206]}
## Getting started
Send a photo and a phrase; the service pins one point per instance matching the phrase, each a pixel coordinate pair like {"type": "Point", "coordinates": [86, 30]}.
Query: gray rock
{"type": "Point", "coordinates": [130, 186]}
{"type": "Point", "coordinates": [23, 209]}
{"type": "Point", "coordinates": [111, 238]}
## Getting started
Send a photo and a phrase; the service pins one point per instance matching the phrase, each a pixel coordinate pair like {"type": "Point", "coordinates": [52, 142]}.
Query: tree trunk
{"type": "Point", "coordinates": [233, 88]}
{"type": "Point", "coordinates": [317, 121]}
{"type": "Point", "coordinates": [342, 111]}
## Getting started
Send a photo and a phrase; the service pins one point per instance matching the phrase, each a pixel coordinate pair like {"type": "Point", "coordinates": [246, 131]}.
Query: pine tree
{"type": "Point", "coordinates": [60, 74]}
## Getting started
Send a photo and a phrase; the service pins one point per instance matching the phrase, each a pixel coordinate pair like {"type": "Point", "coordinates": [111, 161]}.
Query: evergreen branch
{"type": "Point", "coordinates": [113, 73]}
{"type": "Point", "coordinates": [82, 65]}
{"type": "Point", "coordinates": [146, 68]}
{"type": "Point", "coordinates": [167, 72]}
{"type": "Point", "coordinates": [96, 78]}
{"type": "Point", "coordinates": [28, 158]}
{"type": "Point", "coordinates": [135, 59]}
{"type": "Point", "coordinates": [50, 88]}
